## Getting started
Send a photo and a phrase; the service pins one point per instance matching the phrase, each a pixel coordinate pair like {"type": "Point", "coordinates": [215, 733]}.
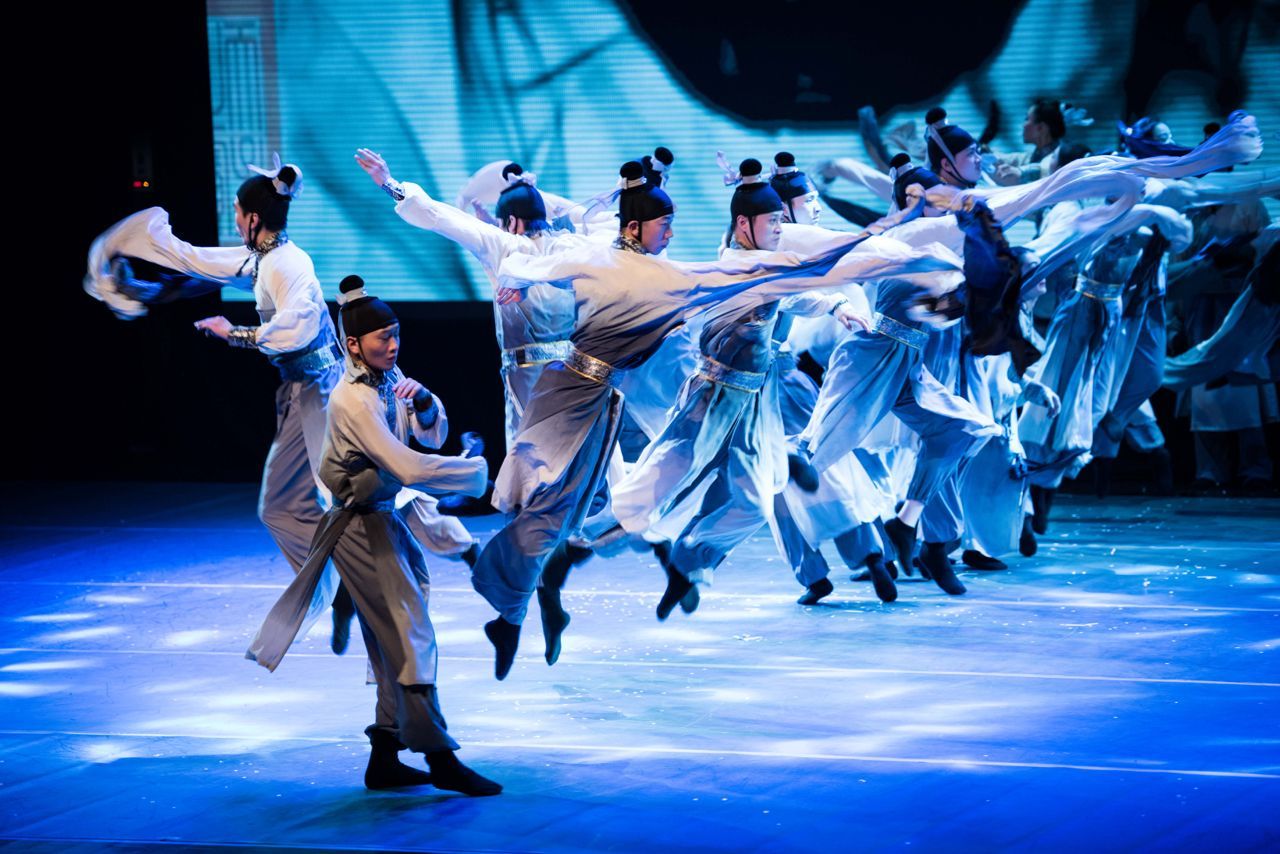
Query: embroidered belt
{"type": "Point", "coordinates": [1098, 290]}
{"type": "Point", "coordinates": [710, 369]}
{"type": "Point", "coordinates": [301, 365]}
{"type": "Point", "coordinates": [593, 369]}
{"type": "Point", "coordinates": [537, 353]}
{"type": "Point", "coordinates": [899, 332]}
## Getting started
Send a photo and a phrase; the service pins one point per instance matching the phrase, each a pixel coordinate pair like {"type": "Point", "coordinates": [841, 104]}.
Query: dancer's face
{"type": "Point", "coordinates": [763, 231]}
{"type": "Point", "coordinates": [968, 165]}
{"type": "Point", "coordinates": [1034, 131]}
{"type": "Point", "coordinates": [807, 209]}
{"type": "Point", "coordinates": [378, 349]}
{"type": "Point", "coordinates": [653, 234]}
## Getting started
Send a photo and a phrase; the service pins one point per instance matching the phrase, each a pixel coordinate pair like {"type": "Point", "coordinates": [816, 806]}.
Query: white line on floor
{"type": "Point", "coordinates": [952, 762]}
{"type": "Point", "coordinates": [728, 597]}
{"type": "Point", "coordinates": [711, 665]}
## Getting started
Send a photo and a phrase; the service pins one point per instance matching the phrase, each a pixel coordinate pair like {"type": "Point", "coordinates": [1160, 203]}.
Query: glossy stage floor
{"type": "Point", "coordinates": [1119, 691]}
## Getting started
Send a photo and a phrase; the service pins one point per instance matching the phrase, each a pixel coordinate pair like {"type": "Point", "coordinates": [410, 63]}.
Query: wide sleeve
{"type": "Point", "coordinates": [848, 258]}
{"type": "Point", "coordinates": [147, 235]}
{"type": "Point", "coordinates": [863, 174]}
{"type": "Point", "coordinates": [558, 267]}
{"type": "Point", "coordinates": [488, 243]}
{"type": "Point", "coordinates": [300, 311]}
{"type": "Point", "coordinates": [360, 419]}
{"type": "Point", "coordinates": [430, 428]}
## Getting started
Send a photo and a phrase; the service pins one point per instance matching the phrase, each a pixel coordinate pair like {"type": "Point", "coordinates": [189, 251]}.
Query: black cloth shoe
{"type": "Point", "coordinates": [343, 611]}
{"type": "Point", "coordinates": [882, 578]}
{"type": "Point", "coordinates": [802, 473]}
{"type": "Point", "coordinates": [505, 638]}
{"type": "Point", "coordinates": [975, 559]}
{"type": "Point", "coordinates": [1027, 545]}
{"type": "Point", "coordinates": [677, 587]}
{"type": "Point", "coordinates": [451, 775]}
{"type": "Point", "coordinates": [934, 557]}
{"type": "Point", "coordinates": [903, 539]}
{"type": "Point", "coordinates": [690, 601]}
{"type": "Point", "coordinates": [816, 592]}
{"type": "Point", "coordinates": [1041, 503]}
{"type": "Point", "coordinates": [555, 619]}
{"type": "Point", "coordinates": [385, 770]}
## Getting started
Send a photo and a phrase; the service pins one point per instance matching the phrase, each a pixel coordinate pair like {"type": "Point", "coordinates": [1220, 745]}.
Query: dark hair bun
{"type": "Point", "coordinates": [784, 159]}
{"type": "Point", "coordinates": [351, 283]}
{"type": "Point", "coordinates": [288, 175]}
{"type": "Point", "coordinates": [899, 160]}
{"type": "Point", "coordinates": [512, 169]}
{"type": "Point", "coordinates": [749, 167]}
{"type": "Point", "coordinates": [937, 114]}
{"type": "Point", "coordinates": [631, 170]}
{"type": "Point", "coordinates": [664, 154]}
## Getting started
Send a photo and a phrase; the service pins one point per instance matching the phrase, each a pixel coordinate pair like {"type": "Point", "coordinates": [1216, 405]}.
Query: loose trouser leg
{"type": "Point", "coordinates": [806, 562]}
{"type": "Point", "coordinates": [732, 511]}
{"type": "Point", "coordinates": [289, 502]}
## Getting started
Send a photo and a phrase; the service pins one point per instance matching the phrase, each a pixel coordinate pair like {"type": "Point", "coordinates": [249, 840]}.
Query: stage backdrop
{"type": "Point", "coordinates": [571, 89]}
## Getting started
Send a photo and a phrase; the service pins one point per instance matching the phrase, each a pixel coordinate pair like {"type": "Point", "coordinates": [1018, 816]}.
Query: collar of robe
{"type": "Point", "coordinates": [627, 243]}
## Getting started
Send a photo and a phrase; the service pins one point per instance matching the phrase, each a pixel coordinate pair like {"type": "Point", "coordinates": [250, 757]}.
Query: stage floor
{"type": "Point", "coordinates": [1119, 691]}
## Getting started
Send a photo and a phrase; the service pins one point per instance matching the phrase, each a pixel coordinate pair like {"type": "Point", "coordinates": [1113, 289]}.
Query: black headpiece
{"type": "Point", "coordinates": [639, 200]}
{"type": "Point", "coordinates": [945, 141]}
{"type": "Point", "coordinates": [520, 199]}
{"type": "Point", "coordinates": [657, 164]}
{"type": "Point", "coordinates": [359, 312]}
{"type": "Point", "coordinates": [753, 195]}
{"type": "Point", "coordinates": [904, 173]}
{"type": "Point", "coordinates": [788, 181]}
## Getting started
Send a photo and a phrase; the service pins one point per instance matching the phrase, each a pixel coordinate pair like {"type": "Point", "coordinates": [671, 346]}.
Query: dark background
{"type": "Point", "coordinates": [125, 91]}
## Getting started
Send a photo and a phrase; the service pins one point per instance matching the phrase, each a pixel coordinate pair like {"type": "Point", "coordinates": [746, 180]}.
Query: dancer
{"type": "Point", "coordinates": [531, 333]}
{"type": "Point", "coordinates": [296, 333]}
{"type": "Point", "coordinates": [628, 303]}
{"type": "Point", "coordinates": [367, 461]}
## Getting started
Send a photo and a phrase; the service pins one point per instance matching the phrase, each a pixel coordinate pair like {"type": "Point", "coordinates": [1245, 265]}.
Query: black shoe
{"type": "Point", "coordinates": [1027, 544]}
{"type": "Point", "coordinates": [555, 619]}
{"type": "Point", "coordinates": [934, 557]}
{"type": "Point", "coordinates": [471, 555]}
{"type": "Point", "coordinates": [689, 602]}
{"type": "Point", "coordinates": [555, 569]}
{"type": "Point", "coordinates": [677, 587]}
{"type": "Point", "coordinates": [343, 611]}
{"type": "Point", "coordinates": [816, 592]}
{"type": "Point", "coordinates": [385, 770]}
{"type": "Point", "coordinates": [920, 567]}
{"type": "Point", "coordinates": [1041, 503]}
{"type": "Point", "coordinates": [882, 578]}
{"type": "Point", "coordinates": [977, 560]}
{"type": "Point", "coordinates": [802, 473]}
{"type": "Point", "coordinates": [451, 775]}
{"type": "Point", "coordinates": [902, 537]}
{"type": "Point", "coordinates": [505, 638]}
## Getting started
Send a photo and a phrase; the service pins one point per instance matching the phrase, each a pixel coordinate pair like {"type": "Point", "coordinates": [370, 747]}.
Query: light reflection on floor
{"type": "Point", "coordinates": [1035, 708]}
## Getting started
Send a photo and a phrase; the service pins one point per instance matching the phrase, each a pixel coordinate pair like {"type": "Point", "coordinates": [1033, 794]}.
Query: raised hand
{"type": "Point", "coordinates": [217, 327]}
{"type": "Point", "coordinates": [373, 165]}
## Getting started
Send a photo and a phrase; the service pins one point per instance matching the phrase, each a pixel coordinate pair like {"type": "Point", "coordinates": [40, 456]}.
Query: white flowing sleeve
{"type": "Point", "coordinates": [359, 418]}
{"type": "Point", "coordinates": [863, 174]}
{"type": "Point", "coordinates": [300, 311]}
{"type": "Point", "coordinates": [148, 236]}
{"type": "Point", "coordinates": [812, 303]}
{"type": "Point", "coordinates": [580, 262]}
{"type": "Point", "coordinates": [488, 243]}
